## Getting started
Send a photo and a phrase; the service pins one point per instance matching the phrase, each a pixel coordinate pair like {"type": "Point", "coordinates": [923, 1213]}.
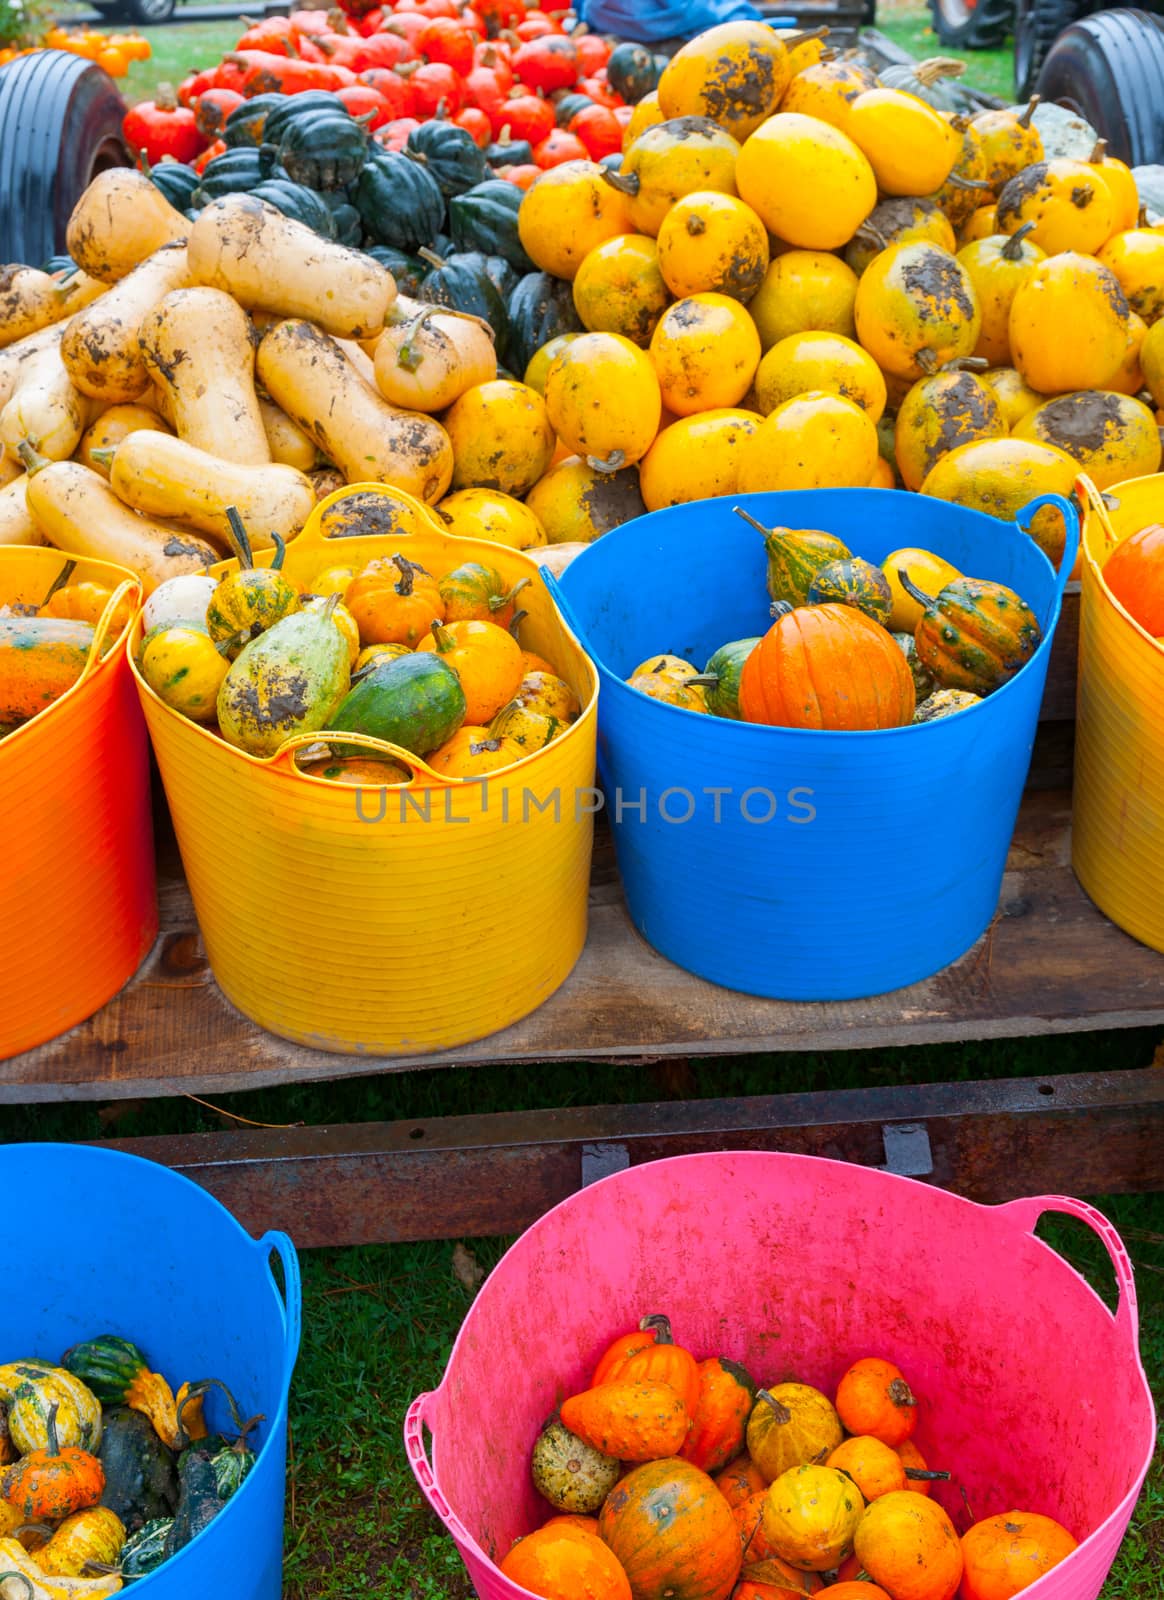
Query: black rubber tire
{"type": "Point", "coordinates": [1109, 68]}
{"type": "Point", "coordinates": [60, 125]}
{"type": "Point", "coordinates": [1037, 24]}
{"type": "Point", "coordinates": [142, 13]}
{"type": "Point", "coordinates": [985, 25]}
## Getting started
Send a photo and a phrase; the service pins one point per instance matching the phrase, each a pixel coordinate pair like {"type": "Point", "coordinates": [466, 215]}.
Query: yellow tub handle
{"type": "Point", "coordinates": [1096, 502]}
{"type": "Point", "coordinates": [104, 623]}
{"type": "Point", "coordinates": [310, 538]}
{"type": "Point", "coordinates": [366, 741]}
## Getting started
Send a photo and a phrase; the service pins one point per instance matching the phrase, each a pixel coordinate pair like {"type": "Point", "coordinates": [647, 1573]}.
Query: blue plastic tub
{"type": "Point", "coordinates": [829, 866]}
{"type": "Point", "coordinates": [142, 1252]}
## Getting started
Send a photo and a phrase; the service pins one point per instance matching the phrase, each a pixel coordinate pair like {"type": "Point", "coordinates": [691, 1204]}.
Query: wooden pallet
{"type": "Point", "coordinates": [1050, 963]}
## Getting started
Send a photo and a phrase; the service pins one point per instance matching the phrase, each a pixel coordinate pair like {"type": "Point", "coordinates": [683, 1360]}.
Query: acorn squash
{"type": "Point", "coordinates": [400, 203]}
{"type": "Point", "coordinates": [463, 283]}
{"type": "Point", "coordinates": [323, 148]}
{"type": "Point", "coordinates": [176, 181]}
{"type": "Point", "coordinates": [302, 204]}
{"type": "Point", "coordinates": [236, 172]}
{"type": "Point", "coordinates": [485, 218]}
{"type": "Point", "coordinates": [541, 308]}
{"type": "Point", "coordinates": [632, 71]}
{"type": "Point", "coordinates": [408, 270]}
{"type": "Point", "coordinates": [246, 123]}
{"type": "Point", "coordinates": [449, 155]}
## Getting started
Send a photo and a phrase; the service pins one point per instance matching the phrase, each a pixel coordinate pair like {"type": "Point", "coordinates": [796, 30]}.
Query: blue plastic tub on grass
{"type": "Point", "coordinates": [140, 1251]}
{"type": "Point", "coordinates": [802, 865]}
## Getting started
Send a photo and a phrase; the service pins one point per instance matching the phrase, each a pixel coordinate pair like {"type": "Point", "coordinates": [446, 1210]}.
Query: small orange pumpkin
{"type": "Point", "coordinates": [773, 1579]}
{"type": "Point", "coordinates": [564, 1563]}
{"type": "Point", "coordinates": [394, 602]}
{"type": "Point", "coordinates": [473, 752]}
{"type": "Point", "coordinates": [726, 1393]}
{"type": "Point", "coordinates": [50, 1484]}
{"type": "Point", "coordinates": [910, 1547]}
{"type": "Point", "coordinates": [573, 1519]}
{"type": "Point", "coordinates": [614, 1361]}
{"type": "Point", "coordinates": [666, 1362]}
{"type": "Point", "coordinates": [673, 1533]}
{"type": "Point", "coordinates": [1004, 1555]}
{"type": "Point", "coordinates": [630, 1421]}
{"type": "Point", "coordinates": [85, 602]}
{"type": "Point", "coordinates": [487, 660]}
{"type": "Point", "coordinates": [874, 1467]}
{"type": "Point", "coordinates": [852, 1589]}
{"type": "Point", "coordinates": [873, 1398]}
{"type": "Point", "coordinates": [740, 1480]}
{"type": "Point", "coordinates": [801, 675]}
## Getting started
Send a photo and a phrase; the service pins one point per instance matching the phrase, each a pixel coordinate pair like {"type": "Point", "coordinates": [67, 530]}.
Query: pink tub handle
{"type": "Point", "coordinates": [1027, 1212]}
{"type": "Point", "coordinates": [419, 1413]}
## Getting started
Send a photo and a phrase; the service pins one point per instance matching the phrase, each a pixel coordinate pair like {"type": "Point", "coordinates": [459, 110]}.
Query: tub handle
{"type": "Point", "coordinates": [420, 1414]}
{"type": "Point", "coordinates": [1026, 1214]}
{"type": "Point", "coordinates": [281, 1245]}
{"type": "Point", "coordinates": [553, 584]}
{"type": "Point", "coordinates": [1070, 513]}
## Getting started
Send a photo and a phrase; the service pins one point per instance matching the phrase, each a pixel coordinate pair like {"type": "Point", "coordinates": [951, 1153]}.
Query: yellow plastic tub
{"type": "Point", "coordinates": [1117, 845]}
{"type": "Point", "coordinates": [395, 921]}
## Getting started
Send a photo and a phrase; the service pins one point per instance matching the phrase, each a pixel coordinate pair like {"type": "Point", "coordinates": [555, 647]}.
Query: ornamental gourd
{"type": "Point", "coordinates": [476, 593]}
{"type": "Point", "coordinates": [795, 556]}
{"type": "Point", "coordinates": [685, 155]}
{"type": "Point", "coordinates": [1068, 202]}
{"type": "Point", "coordinates": [251, 599]}
{"type": "Point", "coordinates": [394, 602]}
{"type": "Point", "coordinates": [486, 659]}
{"type": "Point", "coordinates": [614, 1359]}
{"type": "Point", "coordinates": [873, 1397]}
{"type": "Point", "coordinates": [809, 183]}
{"type": "Point", "coordinates": [673, 1533]}
{"type": "Point", "coordinates": [719, 1421]}
{"type": "Point", "coordinates": [566, 1563]}
{"type": "Point", "coordinates": [811, 1516]}
{"type": "Point", "coordinates": [51, 1483]}
{"type": "Point", "coordinates": [631, 1421]}
{"type": "Point", "coordinates": [855, 583]}
{"type": "Point", "coordinates": [569, 1473]}
{"type": "Point", "coordinates": [944, 703]}
{"type": "Point", "coordinates": [939, 413]}
{"type": "Point", "coordinates": [916, 309]}
{"type": "Point", "coordinates": [289, 680]}
{"type": "Point", "coordinates": [720, 679]}
{"type": "Point", "coordinates": [973, 635]}
{"type": "Point", "coordinates": [908, 1545]}
{"type": "Point", "coordinates": [789, 1425]}
{"type": "Point", "coordinates": [735, 73]}
{"type": "Point", "coordinates": [827, 667]}
{"type": "Point", "coordinates": [1003, 1555]}
{"type": "Point", "coordinates": [1134, 574]}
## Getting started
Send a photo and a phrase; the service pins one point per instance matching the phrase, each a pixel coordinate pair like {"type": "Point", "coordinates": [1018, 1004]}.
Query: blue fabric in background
{"type": "Point", "coordinates": [649, 21]}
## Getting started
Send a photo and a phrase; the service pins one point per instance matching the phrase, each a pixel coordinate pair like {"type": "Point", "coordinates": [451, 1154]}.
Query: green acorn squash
{"type": "Point", "coordinates": [485, 218]}
{"type": "Point", "coordinates": [415, 701]}
{"type": "Point", "coordinates": [299, 203]}
{"type": "Point", "coordinates": [324, 148]}
{"type": "Point", "coordinates": [236, 172]}
{"type": "Point", "coordinates": [176, 181]}
{"type": "Point", "coordinates": [853, 582]}
{"type": "Point", "coordinates": [246, 123]}
{"type": "Point", "coordinates": [464, 283]}
{"type": "Point", "coordinates": [401, 205]}
{"type": "Point", "coordinates": [632, 71]}
{"type": "Point", "coordinates": [409, 271]}
{"type": "Point", "coordinates": [349, 225]}
{"type": "Point", "coordinates": [507, 152]}
{"type": "Point", "coordinates": [449, 154]}
{"type": "Point", "coordinates": [540, 308]}
{"type": "Point", "coordinates": [293, 106]}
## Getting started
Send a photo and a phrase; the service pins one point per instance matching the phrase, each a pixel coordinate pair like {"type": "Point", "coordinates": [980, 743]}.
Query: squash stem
{"type": "Point", "coordinates": [1025, 120]}
{"type": "Point", "coordinates": [103, 455]}
{"type": "Point", "coordinates": [280, 551]}
{"type": "Point", "coordinates": [408, 356]}
{"type": "Point", "coordinates": [780, 1412]}
{"type": "Point", "coordinates": [912, 589]}
{"type": "Point", "coordinates": [498, 602]}
{"type": "Point", "coordinates": [518, 618]}
{"type": "Point", "coordinates": [957, 181]}
{"type": "Point", "coordinates": [1098, 153]}
{"type": "Point", "coordinates": [625, 182]}
{"type": "Point", "coordinates": [659, 1325]}
{"type": "Point", "coordinates": [239, 541]}
{"type": "Point", "coordinates": [60, 580]}
{"type": "Point", "coordinates": [1013, 248]}
{"type": "Point", "coordinates": [444, 639]}
{"type": "Point", "coordinates": [919, 1475]}
{"type": "Point", "coordinates": [430, 256]}
{"type": "Point", "coordinates": [32, 458]}
{"type": "Point", "coordinates": [751, 521]}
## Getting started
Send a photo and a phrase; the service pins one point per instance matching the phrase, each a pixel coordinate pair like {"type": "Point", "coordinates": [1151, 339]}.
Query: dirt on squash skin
{"type": "Point", "coordinates": [1082, 196]}
{"type": "Point", "coordinates": [358, 515]}
{"type": "Point", "coordinates": [747, 86]}
{"type": "Point", "coordinates": [937, 285]}
{"type": "Point", "coordinates": [1112, 290]}
{"type": "Point", "coordinates": [1084, 422]}
{"type": "Point", "coordinates": [612, 499]}
{"type": "Point", "coordinates": [966, 411]}
{"type": "Point", "coordinates": [1020, 189]}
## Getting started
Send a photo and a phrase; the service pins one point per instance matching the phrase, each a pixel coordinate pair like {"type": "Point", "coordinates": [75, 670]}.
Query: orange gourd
{"type": "Point", "coordinates": [485, 658]}
{"type": "Point", "coordinates": [1134, 573]}
{"type": "Point", "coordinates": [830, 667]}
{"type": "Point", "coordinates": [910, 1547]}
{"type": "Point", "coordinates": [573, 1519]}
{"type": "Point", "coordinates": [720, 1415]}
{"type": "Point", "coordinates": [85, 602]}
{"type": "Point", "coordinates": [739, 1480]}
{"type": "Point", "coordinates": [614, 1361]}
{"type": "Point", "coordinates": [749, 1519]}
{"type": "Point", "coordinates": [566, 1563]}
{"type": "Point", "coordinates": [1004, 1555]}
{"type": "Point", "coordinates": [874, 1467]}
{"type": "Point", "coordinates": [394, 602]}
{"type": "Point", "coordinates": [51, 1484]}
{"type": "Point", "coordinates": [472, 752]}
{"type": "Point", "coordinates": [827, 89]}
{"type": "Point", "coordinates": [873, 1398]}
{"type": "Point", "coordinates": [568, 211]}
{"type": "Point", "coordinates": [666, 1362]}
{"type": "Point", "coordinates": [712, 243]}
{"type": "Point", "coordinates": [630, 1421]}
{"type": "Point", "coordinates": [1069, 291]}
{"type": "Point", "coordinates": [673, 1533]}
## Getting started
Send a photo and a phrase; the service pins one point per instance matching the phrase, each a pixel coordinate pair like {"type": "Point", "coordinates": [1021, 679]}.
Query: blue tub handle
{"type": "Point", "coordinates": [563, 606]}
{"type": "Point", "coordinates": [281, 1245]}
{"type": "Point", "coordinates": [1026, 516]}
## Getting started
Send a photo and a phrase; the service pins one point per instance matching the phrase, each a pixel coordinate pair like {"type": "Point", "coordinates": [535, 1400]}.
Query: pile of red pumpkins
{"type": "Point", "coordinates": [495, 68]}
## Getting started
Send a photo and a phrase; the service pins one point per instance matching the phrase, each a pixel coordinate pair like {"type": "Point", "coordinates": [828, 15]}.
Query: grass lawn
{"type": "Point", "coordinates": [908, 25]}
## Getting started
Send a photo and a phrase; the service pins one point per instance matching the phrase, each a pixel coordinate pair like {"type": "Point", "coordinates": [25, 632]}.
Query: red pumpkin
{"type": "Point", "coordinates": [597, 128]}
{"type": "Point", "coordinates": [409, 25]}
{"type": "Point", "coordinates": [547, 63]}
{"type": "Point", "coordinates": [559, 148]}
{"type": "Point", "coordinates": [1134, 572]}
{"type": "Point", "coordinates": [385, 50]}
{"type": "Point", "coordinates": [193, 87]}
{"type": "Point", "coordinates": [200, 163]}
{"type": "Point", "coordinates": [536, 25]}
{"type": "Point", "coordinates": [496, 56]}
{"type": "Point", "coordinates": [394, 90]}
{"type": "Point", "coordinates": [593, 53]}
{"type": "Point", "coordinates": [527, 118]}
{"type": "Point", "coordinates": [436, 90]}
{"type": "Point", "coordinates": [394, 135]}
{"type": "Point", "coordinates": [477, 125]}
{"type": "Point", "coordinates": [212, 110]}
{"type": "Point", "coordinates": [600, 91]}
{"type": "Point", "coordinates": [485, 91]}
{"type": "Point", "coordinates": [522, 177]}
{"type": "Point", "coordinates": [827, 667]}
{"type": "Point", "coordinates": [448, 41]}
{"type": "Point", "coordinates": [364, 101]}
{"type": "Point", "coordinates": [672, 1532]}
{"type": "Point", "coordinates": [162, 127]}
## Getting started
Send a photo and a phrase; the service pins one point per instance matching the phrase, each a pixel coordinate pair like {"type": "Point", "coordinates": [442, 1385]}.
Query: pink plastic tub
{"type": "Point", "coordinates": [1031, 1392]}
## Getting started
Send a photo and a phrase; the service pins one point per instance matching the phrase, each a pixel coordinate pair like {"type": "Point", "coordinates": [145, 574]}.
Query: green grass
{"type": "Point", "coordinates": [991, 71]}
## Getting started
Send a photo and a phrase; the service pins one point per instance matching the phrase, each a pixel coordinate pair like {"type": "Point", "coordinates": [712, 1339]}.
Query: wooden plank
{"type": "Point", "coordinates": [1059, 694]}
{"type": "Point", "coordinates": [1050, 963]}
{"type": "Point", "coordinates": [1088, 1133]}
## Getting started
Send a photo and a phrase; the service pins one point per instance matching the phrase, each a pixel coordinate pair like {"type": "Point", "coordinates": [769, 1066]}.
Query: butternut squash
{"type": "Point", "coordinates": [46, 409]}
{"type": "Point", "coordinates": [270, 262]}
{"type": "Point", "coordinates": [77, 511]}
{"type": "Point", "coordinates": [110, 428]}
{"type": "Point", "coordinates": [32, 300]}
{"type": "Point", "coordinates": [289, 444]}
{"type": "Point", "coordinates": [101, 349]}
{"type": "Point", "coordinates": [430, 361]}
{"type": "Point", "coordinates": [197, 345]}
{"type": "Point", "coordinates": [10, 468]}
{"type": "Point", "coordinates": [119, 221]}
{"type": "Point", "coordinates": [40, 657]}
{"type": "Point", "coordinates": [165, 477]}
{"type": "Point", "coordinates": [359, 358]}
{"type": "Point", "coordinates": [16, 524]}
{"type": "Point", "coordinates": [308, 374]}
{"type": "Point", "coordinates": [15, 359]}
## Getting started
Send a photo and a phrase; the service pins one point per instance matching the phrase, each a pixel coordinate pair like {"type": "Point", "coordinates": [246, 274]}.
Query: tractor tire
{"type": "Point", "coordinates": [1037, 24]}
{"type": "Point", "coordinates": [60, 125]}
{"type": "Point", "coordinates": [972, 24]}
{"type": "Point", "coordinates": [142, 13]}
{"type": "Point", "coordinates": [1109, 68]}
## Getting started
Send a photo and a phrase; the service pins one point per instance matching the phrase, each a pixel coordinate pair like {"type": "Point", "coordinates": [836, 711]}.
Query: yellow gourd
{"type": "Point", "coordinates": [1000, 477]}
{"type": "Point", "coordinates": [713, 243]}
{"type": "Point", "coordinates": [1069, 325]}
{"type": "Point", "coordinates": [735, 73]}
{"type": "Point", "coordinates": [960, 196]}
{"type": "Point", "coordinates": [542, 360]}
{"type": "Point", "coordinates": [604, 400]}
{"type": "Point", "coordinates": [1137, 260]}
{"type": "Point", "coordinates": [566, 212]}
{"type": "Point", "coordinates": [619, 288]}
{"type": "Point", "coordinates": [807, 361]}
{"type": "Point", "coordinates": [804, 291]}
{"type": "Point", "coordinates": [705, 352]}
{"type": "Point", "coordinates": [811, 1516]}
{"type": "Point", "coordinates": [686, 155]}
{"type": "Point", "coordinates": [1009, 141]}
{"type": "Point", "coordinates": [1068, 202]}
{"type": "Point", "coordinates": [901, 221]}
{"type": "Point", "coordinates": [1012, 394]}
{"type": "Point", "coordinates": [937, 415]}
{"type": "Point", "coordinates": [429, 361]}
{"type": "Point", "coordinates": [916, 310]}
{"type": "Point", "coordinates": [826, 90]}
{"type": "Point", "coordinates": [817, 441]}
{"type": "Point", "coordinates": [808, 183]}
{"type": "Point", "coordinates": [576, 504]}
{"type": "Point", "coordinates": [696, 458]}
{"type": "Point", "coordinates": [491, 514]}
{"type": "Point", "coordinates": [1152, 361]}
{"type": "Point", "coordinates": [645, 115]}
{"type": "Point", "coordinates": [1112, 436]}
{"type": "Point", "coordinates": [998, 267]}
{"type": "Point", "coordinates": [981, 224]}
{"type": "Point", "coordinates": [1129, 377]}
{"type": "Point", "coordinates": [911, 149]}
{"type": "Point", "coordinates": [1119, 179]}
{"type": "Point", "coordinates": [926, 571]}
{"type": "Point", "coordinates": [501, 437]}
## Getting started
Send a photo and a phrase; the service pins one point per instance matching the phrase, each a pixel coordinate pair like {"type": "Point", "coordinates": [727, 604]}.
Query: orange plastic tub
{"type": "Point", "coordinates": [78, 904]}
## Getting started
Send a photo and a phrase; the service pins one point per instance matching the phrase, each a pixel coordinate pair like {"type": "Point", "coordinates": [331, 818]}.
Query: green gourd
{"type": "Point", "coordinates": [923, 682]}
{"type": "Point", "coordinates": [795, 556]}
{"type": "Point", "coordinates": [721, 677]}
{"type": "Point", "coordinates": [854, 583]}
{"type": "Point", "coordinates": [289, 680]}
{"type": "Point", "coordinates": [414, 701]}
{"type": "Point", "coordinates": [974, 634]}
{"type": "Point", "coordinates": [944, 703]}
